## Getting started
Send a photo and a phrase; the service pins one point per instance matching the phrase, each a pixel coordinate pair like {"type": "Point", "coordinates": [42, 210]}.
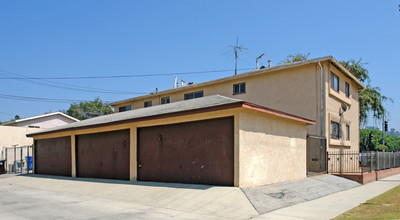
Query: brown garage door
{"type": "Point", "coordinates": [198, 152]}
{"type": "Point", "coordinates": [53, 156]}
{"type": "Point", "coordinates": [103, 155]}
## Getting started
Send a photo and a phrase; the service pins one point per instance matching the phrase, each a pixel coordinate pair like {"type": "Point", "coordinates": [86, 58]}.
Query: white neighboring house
{"type": "Point", "coordinates": [45, 121]}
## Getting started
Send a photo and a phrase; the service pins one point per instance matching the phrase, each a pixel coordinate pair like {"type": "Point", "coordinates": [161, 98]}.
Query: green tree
{"type": "Point", "coordinates": [86, 110]}
{"type": "Point", "coordinates": [17, 117]}
{"type": "Point", "coordinates": [295, 58]}
{"type": "Point", "coordinates": [391, 141]}
{"type": "Point", "coordinates": [371, 99]}
{"type": "Point", "coordinates": [356, 67]}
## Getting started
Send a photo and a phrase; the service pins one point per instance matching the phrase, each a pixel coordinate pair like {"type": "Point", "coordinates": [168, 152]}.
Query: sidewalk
{"type": "Point", "coordinates": [335, 204]}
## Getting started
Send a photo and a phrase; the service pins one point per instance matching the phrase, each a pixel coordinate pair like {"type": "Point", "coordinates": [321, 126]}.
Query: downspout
{"type": "Point", "coordinates": [322, 99]}
{"type": "Point", "coordinates": [322, 117]}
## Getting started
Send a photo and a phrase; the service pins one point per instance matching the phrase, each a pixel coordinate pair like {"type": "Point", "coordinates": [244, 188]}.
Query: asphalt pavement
{"type": "Point", "coordinates": [50, 197]}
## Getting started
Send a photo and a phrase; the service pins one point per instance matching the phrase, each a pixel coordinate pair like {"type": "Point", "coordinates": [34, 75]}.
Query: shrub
{"type": "Point", "coordinates": [381, 147]}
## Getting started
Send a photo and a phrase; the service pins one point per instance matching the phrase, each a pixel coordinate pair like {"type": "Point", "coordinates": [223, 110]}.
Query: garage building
{"type": "Point", "coordinates": [212, 140]}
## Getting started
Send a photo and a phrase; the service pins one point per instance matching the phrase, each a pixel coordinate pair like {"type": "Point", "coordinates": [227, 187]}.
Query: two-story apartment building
{"type": "Point", "coordinates": [318, 89]}
{"type": "Point", "coordinates": [261, 127]}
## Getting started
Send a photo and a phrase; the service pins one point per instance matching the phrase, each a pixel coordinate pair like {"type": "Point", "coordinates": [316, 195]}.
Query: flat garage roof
{"type": "Point", "coordinates": [199, 105]}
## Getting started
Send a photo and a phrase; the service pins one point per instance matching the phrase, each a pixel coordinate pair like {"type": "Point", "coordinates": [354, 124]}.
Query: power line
{"type": "Point", "coordinates": [121, 76]}
{"type": "Point", "coordinates": [16, 76]}
{"type": "Point", "coordinates": [4, 113]}
{"type": "Point", "coordinates": [39, 99]}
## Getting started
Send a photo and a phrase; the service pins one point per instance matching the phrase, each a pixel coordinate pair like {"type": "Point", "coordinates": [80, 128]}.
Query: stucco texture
{"type": "Point", "coordinates": [10, 135]}
{"type": "Point", "coordinates": [267, 148]}
{"type": "Point", "coordinates": [294, 90]}
{"type": "Point", "coordinates": [50, 121]}
{"type": "Point", "coordinates": [334, 112]}
{"type": "Point", "coordinates": [271, 150]}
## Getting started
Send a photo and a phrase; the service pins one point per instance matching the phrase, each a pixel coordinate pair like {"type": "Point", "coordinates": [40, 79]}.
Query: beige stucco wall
{"type": "Point", "coordinates": [296, 91]}
{"type": "Point", "coordinates": [259, 140]}
{"type": "Point", "coordinates": [133, 136]}
{"type": "Point", "coordinates": [334, 101]}
{"type": "Point", "coordinates": [272, 149]}
{"type": "Point", "coordinates": [50, 121]}
{"type": "Point", "coordinates": [10, 135]}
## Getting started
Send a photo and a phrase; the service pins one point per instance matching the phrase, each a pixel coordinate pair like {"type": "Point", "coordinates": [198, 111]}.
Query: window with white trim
{"type": "Point", "coordinates": [193, 95]}
{"type": "Point", "coordinates": [165, 100]}
{"type": "Point", "coordinates": [125, 108]}
{"type": "Point", "coordinates": [148, 104]}
{"type": "Point", "coordinates": [239, 88]}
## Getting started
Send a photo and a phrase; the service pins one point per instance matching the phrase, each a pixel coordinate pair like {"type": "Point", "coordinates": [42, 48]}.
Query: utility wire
{"type": "Point", "coordinates": [4, 113]}
{"type": "Point", "coordinates": [16, 76]}
{"type": "Point", "coordinates": [39, 99]}
{"type": "Point", "coordinates": [121, 76]}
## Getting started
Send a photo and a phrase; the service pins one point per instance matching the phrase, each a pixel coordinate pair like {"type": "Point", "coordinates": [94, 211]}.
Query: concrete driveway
{"type": "Point", "coordinates": [50, 197]}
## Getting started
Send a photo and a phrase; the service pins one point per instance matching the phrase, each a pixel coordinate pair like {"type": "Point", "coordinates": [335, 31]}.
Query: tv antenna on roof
{"type": "Point", "coordinates": [236, 49]}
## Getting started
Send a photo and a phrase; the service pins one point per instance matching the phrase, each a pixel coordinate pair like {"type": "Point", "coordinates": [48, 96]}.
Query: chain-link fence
{"type": "Point", "coordinates": [17, 159]}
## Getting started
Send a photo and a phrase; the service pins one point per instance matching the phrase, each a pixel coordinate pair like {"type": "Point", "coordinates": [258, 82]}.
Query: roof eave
{"type": "Point", "coordinates": [239, 76]}
{"type": "Point", "coordinates": [145, 118]}
{"type": "Point", "coordinates": [347, 72]}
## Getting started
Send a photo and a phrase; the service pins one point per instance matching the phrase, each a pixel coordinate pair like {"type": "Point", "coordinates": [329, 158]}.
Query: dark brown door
{"type": "Point", "coordinates": [198, 152]}
{"type": "Point", "coordinates": [53, 156]}
{"type": "Point", "coordinates": [316, 154]}
{"type": "Point", "coordinates": [103, 155]}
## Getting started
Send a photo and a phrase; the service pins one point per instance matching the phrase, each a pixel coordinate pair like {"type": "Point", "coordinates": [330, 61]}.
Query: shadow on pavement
{"type": "Point", "coordinates": [123, 182]}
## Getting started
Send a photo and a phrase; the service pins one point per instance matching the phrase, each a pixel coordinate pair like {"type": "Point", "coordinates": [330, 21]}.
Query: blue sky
{"type": "Point", "coordinates": [97, 38]}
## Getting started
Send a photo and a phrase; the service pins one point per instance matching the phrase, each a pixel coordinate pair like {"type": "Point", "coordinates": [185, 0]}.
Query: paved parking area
{"type": "Point", "coordinates": [50, 197]}
{"type": "Point", "coordinates": [41, 197]}
{"type": "Point", "coordinates": [276, 196]}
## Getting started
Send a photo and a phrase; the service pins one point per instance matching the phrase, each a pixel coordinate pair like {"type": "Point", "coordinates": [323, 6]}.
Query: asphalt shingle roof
{"type": "Point", "coordinates": [181, 106]}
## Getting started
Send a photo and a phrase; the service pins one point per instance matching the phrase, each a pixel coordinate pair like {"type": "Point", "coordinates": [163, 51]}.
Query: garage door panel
{"type": "Point", "coordinates": [103, 155]}
{"type": "Point", "coordinates": [195, 152]}
{"type": "Point", "coordinates": [53, 156]}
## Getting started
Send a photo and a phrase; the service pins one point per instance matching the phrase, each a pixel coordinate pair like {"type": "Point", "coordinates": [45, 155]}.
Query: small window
{"type": "Point", "coordinates": [347, 132]}
{"type": "Point", "coordinates": [347, 89]}
{"type": "Point", "coordinates": [239, 88]}
{"type": "Point", "coordinates": [125, 108]}
{"type": "Point", "coordinates": [193, 95]}
{"type": "Point", "coordinates": [334, 82]}
{"type": "Point", "coordinates": [148, 104]}
{"type": "Point", "coordinates": [335, 130]}
{"type": "Point", "coordinates": [33, 126]}
{"type": "Point", "coordinates": [165, 100]}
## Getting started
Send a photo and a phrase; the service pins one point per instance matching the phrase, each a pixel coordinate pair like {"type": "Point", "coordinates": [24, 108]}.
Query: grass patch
{"type": "Point", "coordinates": [384, 206]}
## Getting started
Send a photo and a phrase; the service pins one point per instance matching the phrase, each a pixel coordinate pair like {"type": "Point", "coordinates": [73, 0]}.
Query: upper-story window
{"type": "Point", "coordinates": [334, 82]}
{"type": "Point", "coordinates": [347, 89]}
{"type": "Point", "coordinates": [347, 132]}
{"type": "Point", "coordinates": [194, 95]}
{"type": "Point", "coordinates": [335, 130]}
{"type": "Point", "coordinates": [165, 100]}
{"type": "Point", "coordinates": [124, 108]}
{"type": "Point", "coordinates": [148, 104]}
{"type": "Point", "coordinates": [239, 88]}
